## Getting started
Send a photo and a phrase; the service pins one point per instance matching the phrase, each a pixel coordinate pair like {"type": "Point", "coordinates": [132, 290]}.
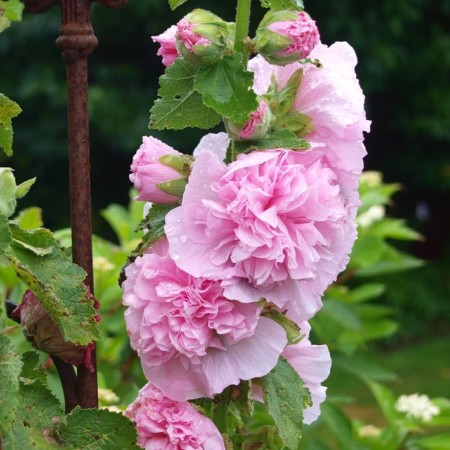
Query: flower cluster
{"type": "Point", "coordinates": [417, 406]}
{"type": "Point", "coordinates": [249, 245]}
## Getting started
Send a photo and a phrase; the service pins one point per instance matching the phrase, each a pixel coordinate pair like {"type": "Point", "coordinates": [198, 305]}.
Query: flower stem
{"type": "Point", "coordinates": [242, 27]}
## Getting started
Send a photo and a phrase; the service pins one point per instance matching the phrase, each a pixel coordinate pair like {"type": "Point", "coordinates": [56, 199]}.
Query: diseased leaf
{"type": "Point", "coordinates": [226, 86]}
{"type": "Point", "coordinates": [56, 281]}
{"type": "Point", "coordinates": [10, 366]}
{"type": "Point", "coordinates": [180, 106]}
{"type": "Point", "coordinates": [278, 139]}
{"type": "Point", "coordinates": [38, 414]}
{"type": "Point", "coordinates": [283, 4]}
{"type": "Point", "coordinates": [8, 110]}
{"type": "Point", "coordinates": [286, 397]}
{"type": "Point", "coordinates": [98, 429]}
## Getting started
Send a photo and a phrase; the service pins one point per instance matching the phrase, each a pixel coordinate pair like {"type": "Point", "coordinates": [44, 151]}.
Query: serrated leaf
{"type": "Point", "coordinates": [278, 139]}
{"type": "Point", "coordinates": [181, 105]}
{"type": "Point", "coordinates": [286, 397]}
{"type": "Point", "coordinates": [57, 282]}
{"type": "Point", "coordinates": [283, 4]}
{"type": "Point", "coordinates": [8, 110]}
{"type": "Point", "coordinates": [98, 429]}
{"type": "Point", "coordinates": [176, 3]}
{"type": "Point", "coordinates": [23, 188]}
{"type": "Point", "coordinates": [226, 86]}
{"type": "Point", "coordinates": [10, 366]}
{"type": "Point", "coordinates": [38, 414]}
{"type": "Point", "coordinates": [13, 9]}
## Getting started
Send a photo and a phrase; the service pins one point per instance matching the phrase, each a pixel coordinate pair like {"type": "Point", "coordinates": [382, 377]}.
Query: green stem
{"type": "Point", "coordinates": [242, 27]}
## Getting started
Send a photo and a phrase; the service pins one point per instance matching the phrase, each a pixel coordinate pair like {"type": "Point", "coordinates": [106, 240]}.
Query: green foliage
{"type": "Point", "coordinates": [13, 9]}
{"type": "Point", "coordinates": [286, 398]}
{"type": "Point", "coordinates": [275, 139]}
{"type": "Point", "coordinates": [8, 110]}
{"type": "Point", "coordinates": [226, 86]}
{"type": "Point", "coordinates": [94, 429]}
{"type": "Point", "coordinates": [10, 366]}
{"type": "Point", "coordinates": [283, 4]}
{"type": "Point", "coordinates": [181, 105]}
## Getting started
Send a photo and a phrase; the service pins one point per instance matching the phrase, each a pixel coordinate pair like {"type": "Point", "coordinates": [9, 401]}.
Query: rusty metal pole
{"type": "Point", "coordinates": [76, 42]}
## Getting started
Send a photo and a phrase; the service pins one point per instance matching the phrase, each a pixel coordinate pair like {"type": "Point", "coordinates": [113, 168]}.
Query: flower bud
{"type": "Point", "coordinates": [43, 333]}
{"type": "Point", "coordinates": [287, 36]}
{"type": "Point", "coordinates": [256, 126]}
{"type": "Point", "coordinates": [7, 191]}
{"type": "Point", "coordinates": [168, 47]}
{"type": "Point", "coordinates": [202, 37]}
{"type": "Point", "coordinates": [159, 172]}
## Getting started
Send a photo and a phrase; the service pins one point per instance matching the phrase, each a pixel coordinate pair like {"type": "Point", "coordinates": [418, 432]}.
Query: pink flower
{"type": "Point", "coordinates": [271, 225]}
{"type": "Point", "coordinates": [165, 424]}
{"type": "Point", "coordinates": [332, 97]}
{"type": "Point", "coordinates": [256, 126]}
{"type": "Point", "coordinates": [313, 364]}
{"type": "Point", "coordinates": [188, 37]}
{"type": "Point", "coordinates": [153, 172]}
{"type": "Point", "coordinates": [168, 48]}
{"type": "Point", "coordinates": [192, 341]}
{"type": "Point", "coordinates": [302, 33]}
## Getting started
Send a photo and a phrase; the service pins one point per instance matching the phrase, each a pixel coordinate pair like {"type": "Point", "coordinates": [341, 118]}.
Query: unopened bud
{"type": "Point", "coordinates": [284, 37]}
{"type": "Point", "coordinates": [202, 37]}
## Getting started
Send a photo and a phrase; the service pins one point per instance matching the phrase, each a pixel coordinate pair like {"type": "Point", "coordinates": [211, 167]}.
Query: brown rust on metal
{"type": "Point", "coordinates": [76, 42]}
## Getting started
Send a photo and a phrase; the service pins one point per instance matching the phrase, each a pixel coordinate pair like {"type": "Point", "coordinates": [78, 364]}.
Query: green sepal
{"type": "Point", "coordinates": [277, 139]}
{"type": "Point", "coordinates": [182, 164]}
{"type": "Point", "coordinates": [173, 187]}
{"type": "Point", "coordinates": [293, 332]}
{"type": "Point", "coordinates": [226, 86]}
{"type": "Point", "coordinates": [286, 397]}
{"type": "Point", "coordinates": [300, 124]}
{"type": "Point", "coordinates": [23, 188]}
{"type": "Point", "coordinates": [174, 4]}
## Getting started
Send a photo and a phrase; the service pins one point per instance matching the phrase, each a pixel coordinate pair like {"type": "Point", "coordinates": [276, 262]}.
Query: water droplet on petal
{"type": "Point", "coordinates": [175, 257]}
{"type": "Point", "coordinates": [183, 238]}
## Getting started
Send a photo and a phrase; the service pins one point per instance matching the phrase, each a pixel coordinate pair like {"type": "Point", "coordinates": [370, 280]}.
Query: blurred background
{"type": "Point", "coordinates": [403, 47]}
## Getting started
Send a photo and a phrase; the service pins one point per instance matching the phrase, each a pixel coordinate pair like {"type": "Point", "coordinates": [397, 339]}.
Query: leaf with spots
{"type": "Point", "coordinates": [43, 265]}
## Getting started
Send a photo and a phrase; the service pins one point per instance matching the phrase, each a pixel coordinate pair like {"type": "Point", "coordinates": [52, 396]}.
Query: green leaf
{"type": "Point", "coordinates": [394, 229]}
{"type": "Point", "coordinates": [13, 9]}
{"type": "Point", "coordinates": [367, 291]}
{"type": "Point", "coordinates": [38, 413]}
{"type": "Point", "coordinates": [364, 367]}
{"type": "Point", "coordinates": [339, 425]}
{"type": "Point", "coordinates": [286, 397]}
{"type": "Point", "coordinates": [176, 3]}
{"type": "Point", "coordinates": [226, 86]}
{"type": "Point", "coordinates": [341, 313]}
{"type": "Point", "coordinates": [30, 218]}
{"type": "Point", "coordinates": [8, 110]}
{"type": "Point", "coordinates": [56, 281]}
{"type": "Point", "coordinates": [10, 366]}
{"type": "Point", "coordinates": [98, 429]}
{"type": "Point", "coordinates": [4, 22]}
{"type": "Point", "coordinates": [277, 139]}
{"type": "Point", "coordinates": [181, 105]}
{"type": "Point", "coordinates": [283, 4]}
{"type": "Point", "coordinates": [386, 401]}
{"type": "Point", "coordinates": [437, 442]}
{"type": "Point", "coordinates": [5, 234]}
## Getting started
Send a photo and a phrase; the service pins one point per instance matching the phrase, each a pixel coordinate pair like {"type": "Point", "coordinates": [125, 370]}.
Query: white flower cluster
{"type": "Point", "coordinates": [369, 431]}
{"type": "Point", "coordinates": [417, 406]}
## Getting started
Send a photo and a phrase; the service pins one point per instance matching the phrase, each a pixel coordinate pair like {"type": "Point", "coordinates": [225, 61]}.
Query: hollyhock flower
{"type": "Point", "coordinates": [168, 48]}
{"type": "Point", "coordinates": [43, 333]}
{"type": "Point", "coordinates": [270, 225]}
{"type": "Point", "coordinates": [202, 36]}
{"type": "Point", "coordinates": [256, 126]}
{"type": "Point", "coordinates": [313, 364]}
{"type": "Point", "coordinates": [165, 424]}
{"type": "Point", "coordinates": [332, 97]}
{"type": "Point", "coordinates": [284, 37]}
{"type": "Point", "coordinates": [159, 172]}
{"type": "Point", "coordinates": [193, 342]}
